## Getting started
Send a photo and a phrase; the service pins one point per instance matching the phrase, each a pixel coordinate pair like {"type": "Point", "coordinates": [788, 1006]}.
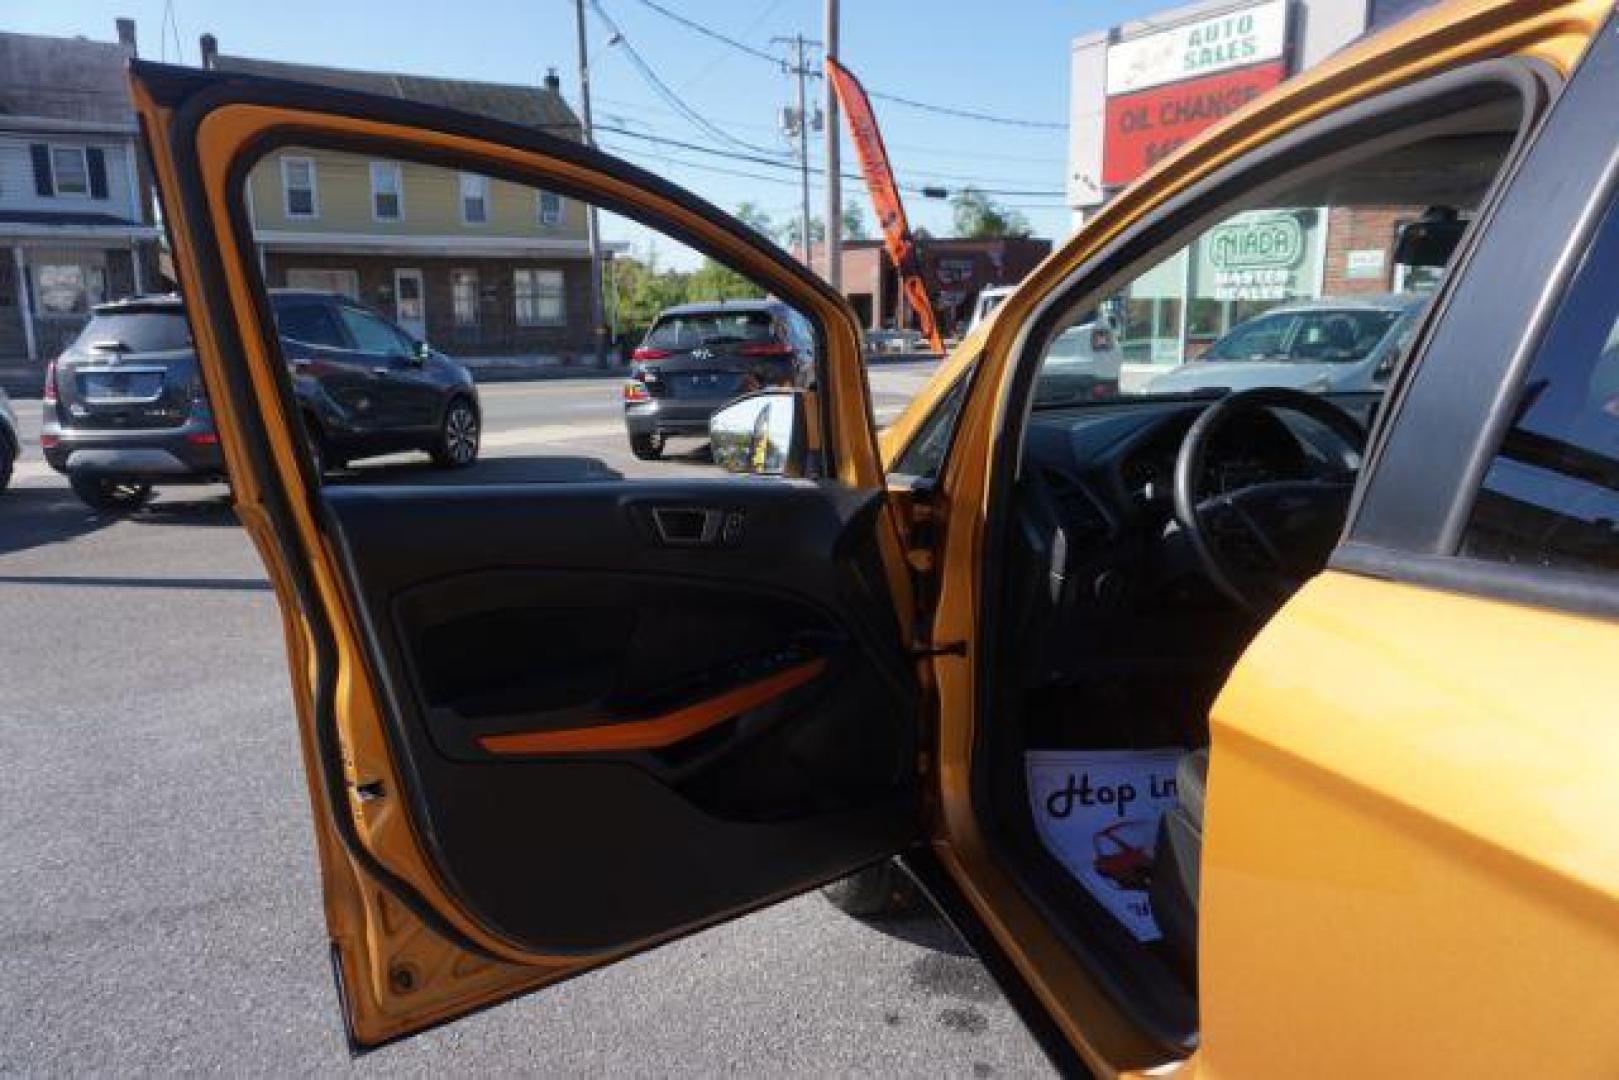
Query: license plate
{"type": "Point", "coordinates": [120, 385]}
{"type": "Point", "coordinates": [708, 385]}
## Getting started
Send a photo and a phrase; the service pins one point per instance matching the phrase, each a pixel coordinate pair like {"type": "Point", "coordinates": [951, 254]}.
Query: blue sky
{"type": "Point", "coordinates": [1007, 59]}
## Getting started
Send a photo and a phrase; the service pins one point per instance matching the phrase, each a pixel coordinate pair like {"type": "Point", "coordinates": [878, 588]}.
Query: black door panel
{"type": "Point", "coordinates": [610, 736]}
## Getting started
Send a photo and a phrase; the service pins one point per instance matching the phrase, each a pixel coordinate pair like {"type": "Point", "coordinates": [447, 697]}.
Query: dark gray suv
{"type": "Point", "coordinates": [697, 357]}
{"type": "Point", "coordinates": [125, 409]}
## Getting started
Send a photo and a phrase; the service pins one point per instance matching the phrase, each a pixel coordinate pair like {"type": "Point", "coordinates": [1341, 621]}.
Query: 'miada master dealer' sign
{"type": "Point", "coordinates": [1167, 86]}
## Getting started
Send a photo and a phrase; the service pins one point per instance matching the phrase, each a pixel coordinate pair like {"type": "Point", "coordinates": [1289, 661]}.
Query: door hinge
{"type": "Point", "coordinates": [952, 648]}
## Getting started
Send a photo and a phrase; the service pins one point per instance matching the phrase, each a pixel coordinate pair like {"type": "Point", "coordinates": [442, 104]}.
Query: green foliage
{"type": "Point", "coordinates": [641, 289]}
{"type": "Point", "coordinates": [854, 222]}
{"type": "Point", "coordinates": [979, 217]}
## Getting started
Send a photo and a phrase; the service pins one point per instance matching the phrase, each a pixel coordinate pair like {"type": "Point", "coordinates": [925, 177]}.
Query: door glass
{"type": "Point", "coordinates": [1551, 496]}
{"type": "Point", "coordinates": [504, 295]}
{"type": "Point", "coordinates": [371, 334]}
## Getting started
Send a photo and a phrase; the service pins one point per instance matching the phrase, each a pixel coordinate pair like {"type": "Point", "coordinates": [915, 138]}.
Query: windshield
{"type": "Point", "coordinates": [1317, 285]}
{"type": "Point", "coordinates": [1324, 336]}
{"type": "Point", "coordinates": [677, 332]}
{"type": "Point", "coordinates": [137, 331]}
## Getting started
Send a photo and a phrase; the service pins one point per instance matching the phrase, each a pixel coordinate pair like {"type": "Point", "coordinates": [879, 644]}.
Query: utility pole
{"type": "Point", "coordinates": [593, 228]}
{"type": "Point", "coordinates": [798, 41]}
{"type": "Point", "coordinates": [834, 147]}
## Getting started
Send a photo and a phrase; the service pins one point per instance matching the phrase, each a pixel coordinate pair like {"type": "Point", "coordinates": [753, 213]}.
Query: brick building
{"type": "Point", "coordinates": [955, 269]}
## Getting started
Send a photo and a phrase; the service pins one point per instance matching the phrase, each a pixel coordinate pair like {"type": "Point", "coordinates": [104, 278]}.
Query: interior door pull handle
{"type": "Point", "coordinates": [692, 526]}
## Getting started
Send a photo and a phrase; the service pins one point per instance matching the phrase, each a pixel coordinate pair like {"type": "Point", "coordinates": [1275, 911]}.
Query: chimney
{"type": "Point", "coordinates": [126, 35]}
{"type": "Point", "coordinates": [209, 46]}
{"type": "Point", "coordinates": [553, 82]}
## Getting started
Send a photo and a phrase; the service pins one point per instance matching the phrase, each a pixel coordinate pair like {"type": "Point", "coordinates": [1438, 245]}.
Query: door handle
{"type": "Point", "coordinates": [380, 370]}
{"type": "Point", "coordinates": [697, 526]}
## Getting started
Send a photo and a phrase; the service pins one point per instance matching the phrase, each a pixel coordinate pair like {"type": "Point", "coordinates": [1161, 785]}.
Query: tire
{"type": "Point", "coordinates": [8, 458]}
{"type": "Point", "coordinates": [647, 447]}
{"type": "Point", "coordinates": [881, 891]}
{"type": "Point", "coordinates": [459, 432]}
{"type": "Point", "coordinates": [110, 496]}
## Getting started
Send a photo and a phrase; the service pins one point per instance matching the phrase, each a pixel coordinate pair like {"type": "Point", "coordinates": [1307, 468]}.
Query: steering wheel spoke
{"type": "Point", "coordinates": [1258, 543]}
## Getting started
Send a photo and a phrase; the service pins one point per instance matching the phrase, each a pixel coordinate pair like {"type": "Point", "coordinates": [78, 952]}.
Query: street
{"type": "Point", "coordinates": [162, 912]}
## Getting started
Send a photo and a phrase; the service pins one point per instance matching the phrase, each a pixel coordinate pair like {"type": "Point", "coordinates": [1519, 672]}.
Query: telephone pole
{"type": "Point", "coordinates": [798, 42]}
{"type": "Point", "coordinates": [593, 228]}
{"type": "Point", "coordinates": [834, 147]}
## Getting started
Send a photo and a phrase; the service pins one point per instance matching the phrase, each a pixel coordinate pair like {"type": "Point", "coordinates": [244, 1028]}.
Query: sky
{"type": "Point", "coordinates": [1006, 59]}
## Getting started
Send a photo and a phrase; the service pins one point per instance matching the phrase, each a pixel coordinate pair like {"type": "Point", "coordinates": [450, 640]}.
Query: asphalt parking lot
{"type": "Point", "coordinates": [162, 913]}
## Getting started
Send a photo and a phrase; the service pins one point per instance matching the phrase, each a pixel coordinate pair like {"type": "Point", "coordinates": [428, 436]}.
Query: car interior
{"type": "Point", "coordinates": [1149, 539]}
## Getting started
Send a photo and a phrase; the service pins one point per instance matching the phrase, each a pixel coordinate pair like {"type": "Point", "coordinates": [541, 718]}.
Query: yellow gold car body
{"type": "Point", "coordinates": [1381, 859]}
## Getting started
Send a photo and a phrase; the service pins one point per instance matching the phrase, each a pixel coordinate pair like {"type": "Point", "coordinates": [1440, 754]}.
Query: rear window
{"type": "Point", "coordinates": [713, 328]}
{"type": "Point", "coordinates": [137, 331]}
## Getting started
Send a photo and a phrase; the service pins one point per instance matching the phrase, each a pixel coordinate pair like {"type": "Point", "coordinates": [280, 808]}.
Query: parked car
{"type": "Point", "coordinates": [989, 298]}
{"type": "Point", "coordinates": [1334, 343]}
{"type": "Point", "coordinates": [1386, 657]}
{"type": "Point", "coordinates": [696, 357]}
{"type": "Point", "coordinates": [1082, 362]}
{"type": "Point", "coordinates": [124, 406]}
{"type": "Point", "coordinates": [10, 440]}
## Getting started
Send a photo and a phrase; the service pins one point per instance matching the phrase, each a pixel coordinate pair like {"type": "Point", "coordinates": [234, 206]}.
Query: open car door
{"type": "Point", "coordinates": [546, 726]}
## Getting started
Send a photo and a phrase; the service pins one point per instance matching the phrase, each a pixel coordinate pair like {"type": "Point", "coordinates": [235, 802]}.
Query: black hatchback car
{"type": "Point", "coordinates": [125, 409]}
{"type": "Point", "coordinates": [697, 357]}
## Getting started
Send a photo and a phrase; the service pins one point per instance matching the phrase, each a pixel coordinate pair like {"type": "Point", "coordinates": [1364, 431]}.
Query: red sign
{"type": "Point", "coordinates": [1143, 128]}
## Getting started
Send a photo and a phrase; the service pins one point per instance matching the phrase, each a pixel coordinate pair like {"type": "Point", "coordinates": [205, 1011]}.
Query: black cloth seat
{"type": "Point", "coordinates": [1177, 861]}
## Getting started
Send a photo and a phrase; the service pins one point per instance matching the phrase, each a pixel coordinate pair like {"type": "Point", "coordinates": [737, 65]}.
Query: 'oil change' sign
{"type": "Point", "coordinates": [1234, 39]}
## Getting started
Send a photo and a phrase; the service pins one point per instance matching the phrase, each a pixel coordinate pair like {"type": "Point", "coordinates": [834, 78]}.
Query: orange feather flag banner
{"type": "Point", "coordinates": [885, 200]}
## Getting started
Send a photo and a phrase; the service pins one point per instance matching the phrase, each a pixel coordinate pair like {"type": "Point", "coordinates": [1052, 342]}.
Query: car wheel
{"type": "Point", "coordinates": [457, 445]}
{"type": "Point", "coordinates": [110, 496]}
{"type": "Point", "coordinates": [881, 891]}
{"type": "Point", "coordinates": [647, 447]}
{"type": "Point", "coordinates": [8, 458]}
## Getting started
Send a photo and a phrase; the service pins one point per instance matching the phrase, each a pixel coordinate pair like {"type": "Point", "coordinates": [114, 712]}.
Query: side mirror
{"type": "Point", "coordinates": [421, 352]}
{"type": "Point", "coordinates": [761, 433]}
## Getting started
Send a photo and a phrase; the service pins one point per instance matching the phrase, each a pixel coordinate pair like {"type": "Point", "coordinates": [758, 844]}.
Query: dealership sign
{"type": "Point", "coordinates": [1142, 128]}
{"type": "Point", "coordinates": [1260, 255]}
{"type": "Point", "coordinates": [1234, 39]}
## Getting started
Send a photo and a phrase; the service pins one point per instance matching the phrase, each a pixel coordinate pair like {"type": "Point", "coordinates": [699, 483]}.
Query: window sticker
{"type": "Point", "coordinates": [1097, 811]}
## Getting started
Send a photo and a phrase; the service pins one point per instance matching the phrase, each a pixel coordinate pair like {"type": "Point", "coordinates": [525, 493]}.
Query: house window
{"type": "Point", "coordinates": [550, 208]}
{"type": "Point", "coordinates": [67, 288]}
{"type": "Point", "coordinates": [71, 171]}
{"type": "Point", "coordinates": [387, 198]}
{"type": "Point", "coordinates": [319, 279]}
{"type": "Point", "coordinates": [474, 198]}
{"type": "Point", "coordinates": [539, 297]}
{"type": "Point", "coordinates": [298, 187]}
{"type": "Point", "coordinates": [464, 297]}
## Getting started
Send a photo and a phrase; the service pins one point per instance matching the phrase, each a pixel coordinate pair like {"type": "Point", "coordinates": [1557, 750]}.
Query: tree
{"type": "Point", "coordinates": [979, 217]}
{"type": "Point", "coordinates": [790, 232]}
{"type": "Point", "coordinates": [751, 215]}
{"type": "Point", "coordinates": [715, 281]}
{"type": "Point", "coordinates": [854, 221]}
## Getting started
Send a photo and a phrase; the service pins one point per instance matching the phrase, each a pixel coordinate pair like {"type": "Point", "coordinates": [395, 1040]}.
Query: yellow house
{"type": "Point", "coordinates": [474, 264]}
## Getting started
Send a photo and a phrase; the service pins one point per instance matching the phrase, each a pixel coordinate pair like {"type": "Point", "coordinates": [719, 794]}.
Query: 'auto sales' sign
{"type": "Point", "coordinates": [1142, 128]}
{"type": "Point", "coordinates": [1207, 46]}
{"type": "Point", "coordinates": [1165, 87]}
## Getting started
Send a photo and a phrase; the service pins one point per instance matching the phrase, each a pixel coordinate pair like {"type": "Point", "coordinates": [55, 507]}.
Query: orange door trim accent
{"type": "Point", "coordinates": [656, 732]}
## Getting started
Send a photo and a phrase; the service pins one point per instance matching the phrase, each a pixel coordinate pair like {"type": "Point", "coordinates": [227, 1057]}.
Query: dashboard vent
{"type": "Point", "coordinates": [1082, 517]}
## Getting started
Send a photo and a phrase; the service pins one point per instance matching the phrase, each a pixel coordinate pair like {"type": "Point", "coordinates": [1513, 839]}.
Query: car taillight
{"type": "Point", "coordinates": [644, 353]}
{"type": "Point", "coordinates": [1101, 339]}
{"type": "Point", "coordinates": [50, 383]}
{"type": "Point", "coordinates": [203, 438]}
{"type": "Point", "coordinates": [770, 348]}
{"type": "Point", "coordinates": [635, 390]}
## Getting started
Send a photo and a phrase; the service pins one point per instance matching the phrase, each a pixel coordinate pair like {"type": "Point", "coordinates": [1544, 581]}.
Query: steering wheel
{"type": "Point", "coordinates": [1259, 543]}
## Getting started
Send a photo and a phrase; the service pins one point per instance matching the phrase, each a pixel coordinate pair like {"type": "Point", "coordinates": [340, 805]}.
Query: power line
{"type": "Point", "coordinates": [662, 89]}
{"type": "Point", "coordinates": [777, 163]}
{"type": "Point", "coordinates": [910, 103]}
{"type": "Point", "coordinates": [708, 32]}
